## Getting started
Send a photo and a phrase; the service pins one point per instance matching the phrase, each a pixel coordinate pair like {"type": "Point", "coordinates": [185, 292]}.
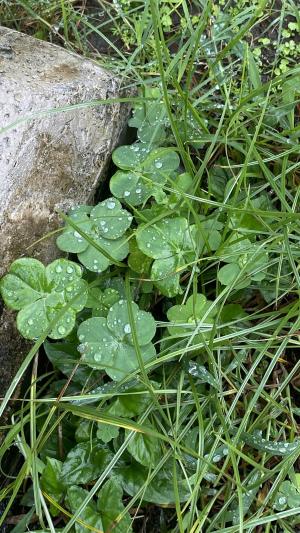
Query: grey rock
{"type": "Point", "coordinates": [52, 154]}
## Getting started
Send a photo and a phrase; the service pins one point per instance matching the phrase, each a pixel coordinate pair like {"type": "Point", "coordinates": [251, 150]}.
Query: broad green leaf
{"type": "Point", "coordinates": [85, 462]}
{"type": "Point", "coordinates": [145, 449]}
{"type": "Point", "coordinates": [51, 482]}
{"type": "Point", "coordinates": [234, 247]}
{"type": "Point", "coordinates": [110, 507]}
{"type": "Point", "coordinates": [160, 490]}
{"type": "Point", "coordinates": [137, 261]}
{"type": "Point", "coordinates": [118, 322]}
{"type": "Point", "coordinates": [32, 320]}
{"type": "Point", "coordinates": [64, 356]}
{"type": "Point", "coordinates": [142, 171]}
{"type": "Point", "coordinates": [130, 405]}
{"type": "Point", "coordinates": [85, 430]}
{"type": "Point", "coordinates": [107, 432]}
{"type": "Point", "coordinates": [89, 515]}
{"type": "Point", "coordinates": [228, 274]}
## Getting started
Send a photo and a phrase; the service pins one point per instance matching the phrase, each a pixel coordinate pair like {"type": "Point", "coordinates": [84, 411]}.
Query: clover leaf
{"type": "Point", "coordinates": [247, 261]}
{"type": "Point", "coordinates": [287, 496]}
{"type": "Point", "coordinates": [107, 343]}
{"type": "Point", "coordinates": [40, 293]}
{"type": "Point", "coordinates": [170, 243]}
{"type": "Point", "coordinates": [185, 318]}
{"type": "Point", "coordinates": [101, 301]}
{"type": "Point", "coordinates": [143, 171]}
{"type": "Point", "coordinates": [105, 225]}
{"type": "Point", "coordinates": [150, 118]}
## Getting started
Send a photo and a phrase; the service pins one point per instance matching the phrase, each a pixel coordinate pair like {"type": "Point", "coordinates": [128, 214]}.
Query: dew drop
{"type": "Point", "coordinates": [70, 270]}
{"type": "Point", "coordinates": [30, 322]}
{"type": "Point", "coordinates": [110, 204]}
{"type": "Point", "coordinates": [127, 329]}
{"type": "Point", "coordinates": [158, 164]}
{"type": "Point", "coordinates": [61, 330]}
{"type": "Point", "coordinates": [126, 193]}
{"type": "Point", "coordinates": [58, 269]}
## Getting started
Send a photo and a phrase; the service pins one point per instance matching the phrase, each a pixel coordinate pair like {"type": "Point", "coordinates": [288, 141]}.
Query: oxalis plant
{"type": "Point", "coordinates": [131, 318]}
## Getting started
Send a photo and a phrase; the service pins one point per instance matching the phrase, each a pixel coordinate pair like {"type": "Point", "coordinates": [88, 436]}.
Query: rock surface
{"type": "Point", "coordinates": [51, 156]}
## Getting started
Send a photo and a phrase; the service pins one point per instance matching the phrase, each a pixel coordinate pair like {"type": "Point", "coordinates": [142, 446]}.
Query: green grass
{"type": "Point", "coordinates": [235, 124]}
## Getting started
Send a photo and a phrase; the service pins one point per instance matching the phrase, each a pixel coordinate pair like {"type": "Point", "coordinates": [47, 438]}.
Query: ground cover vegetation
{"type": "Point", "coordinates": [170, 401]}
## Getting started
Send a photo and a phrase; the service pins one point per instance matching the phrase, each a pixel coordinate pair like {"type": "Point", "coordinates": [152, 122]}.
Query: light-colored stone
{"type": "Point", "coordinates": [50, 157]}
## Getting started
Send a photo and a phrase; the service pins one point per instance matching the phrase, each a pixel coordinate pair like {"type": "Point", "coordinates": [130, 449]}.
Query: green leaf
{"type": "Point", "coordinates": [51, 482]}
{"type": "Point", "coordinates": [228, 274]}
{"type": "Point", "coordinates": [118, 323]}
{"type": "Point", "coordinates": [103, 515]}
{"type": "Point", "coordinates": [234, 247]}
{"type": "Point", "coordinates": [130, 405]}
{"type": "Point", "coordinates": [145, 449]}
{"type": "Point", "coordinates": [204, 376]}
{"type": "Point", "coordinates": [85, 462]}
{"type": "Point", "coordinates": [281, 448]}
{"type": "Point", "coordinates": [110, 506]}
{"type": "Point", "coordinates": [64, 356]}
{"type": "Point", "coordinates": [129, 187]}
{"type": "Point", "coordinates": [110, 219]}
{"type": "Point", "coordinates": [25, 283]}
{"type": "Point", "coordinates": [129, 157]}
{"type": "Point", "coordinates": [41, 294]}
{"type": "Point", "coordinates": [107, 432]}
{"type": "Point", "coordinates": [89, 515]}
{"type": "Point", "coordinates": [137, 261]}
{"type": "Point", "coordinates": [185, 318]}
{"type": "Point", "coordinates": [141, 171]}
{"type": "Point", "coordinates": [70, 240]}
{"type": "Point", "coordinates": [104, 225]}
{"type": "Point", "coordinates": [106, 343]}
{"type": "Point", "coordinates": [160, 490]}
{"type": "Point", "coordinates": [287, 496]}
{"type": "Point", "coordinates": [170, 243]}
{"type": "Point", "coordinates": [23, 524]}
{"type": "Point", "coordinates": [95, 260]}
